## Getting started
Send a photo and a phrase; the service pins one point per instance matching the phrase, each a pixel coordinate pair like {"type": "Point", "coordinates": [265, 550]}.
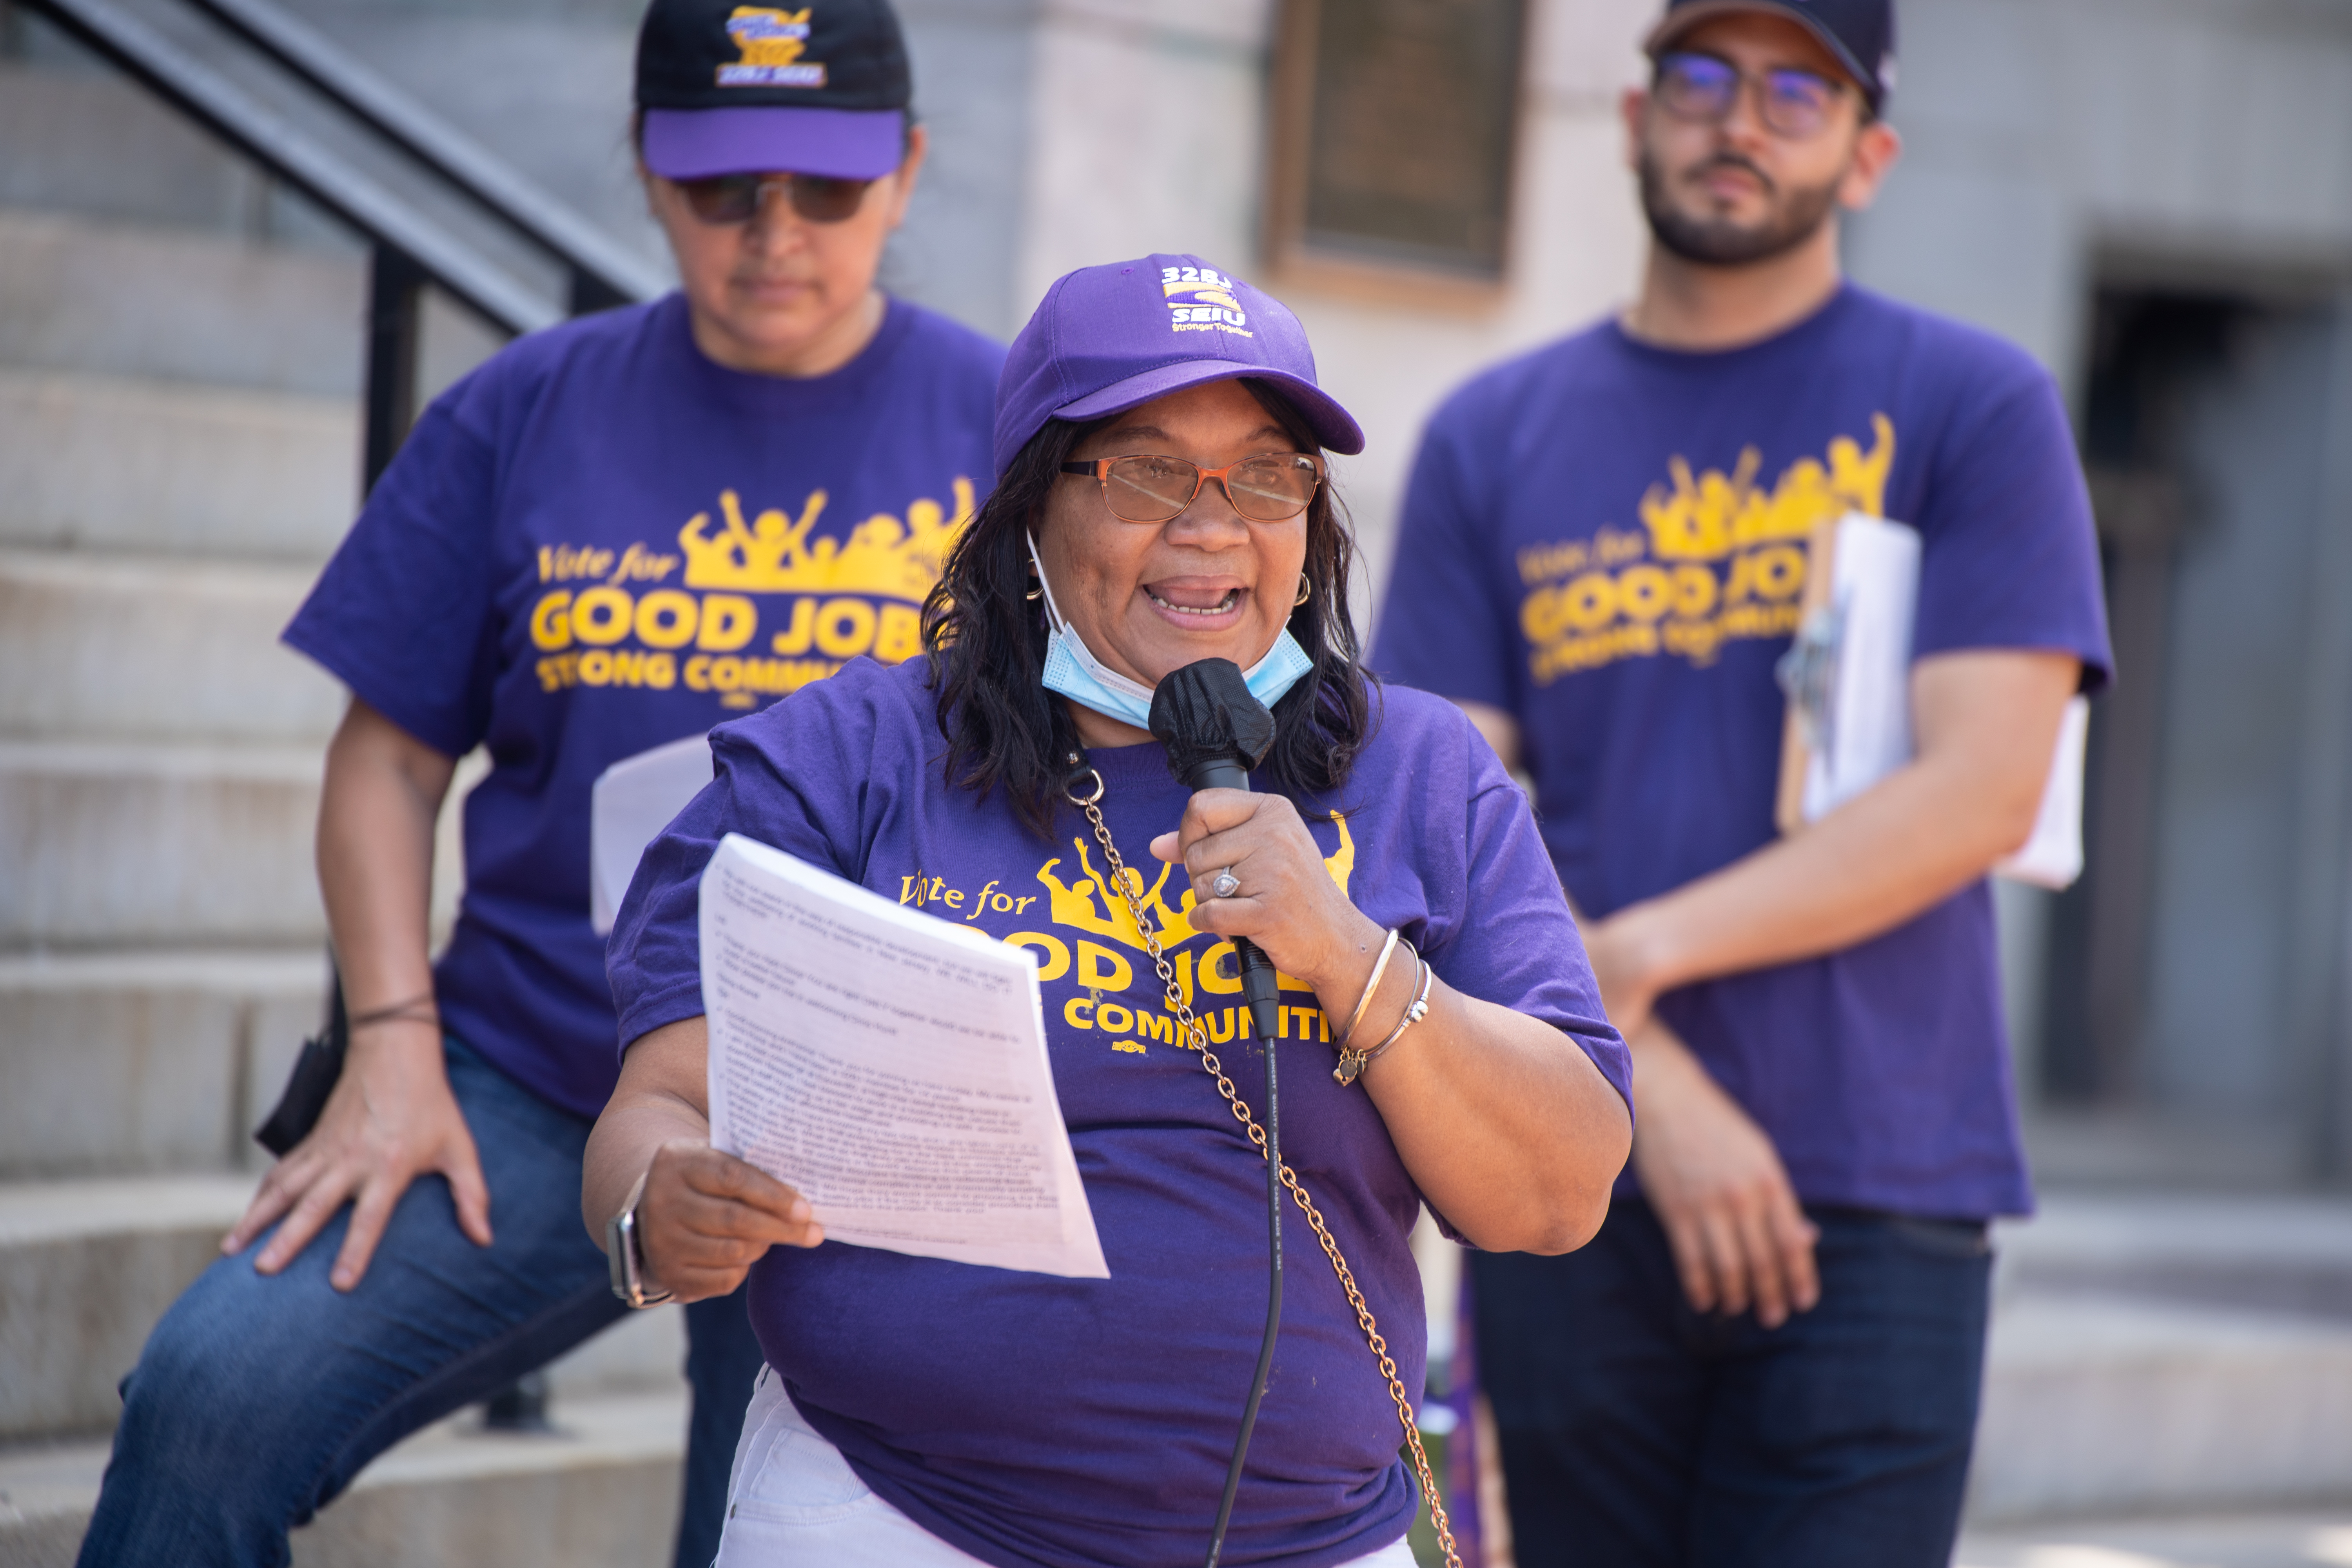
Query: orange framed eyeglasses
{"type": "Point", "coordinates": [1273, 487]}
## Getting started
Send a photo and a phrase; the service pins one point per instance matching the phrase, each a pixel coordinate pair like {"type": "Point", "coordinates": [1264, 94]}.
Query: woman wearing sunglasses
{"type": "Point", "coordinates": [612, 535]}
{"type": "Point", "coordinates": [1161, 499]}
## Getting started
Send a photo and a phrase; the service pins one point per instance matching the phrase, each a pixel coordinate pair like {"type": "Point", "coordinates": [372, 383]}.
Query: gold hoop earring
{"type": "Point", "coordinates": [1306, 591]}
{"type": "Point", "coordinates": [1037, 590]}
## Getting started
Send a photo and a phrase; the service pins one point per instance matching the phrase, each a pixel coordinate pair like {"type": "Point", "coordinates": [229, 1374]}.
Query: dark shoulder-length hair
{"type": "Point", "coordinates": [987, 641]}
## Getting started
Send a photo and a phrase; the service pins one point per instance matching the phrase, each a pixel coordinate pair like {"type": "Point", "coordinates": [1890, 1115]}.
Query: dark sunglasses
{"type": "Point", "coordinates": [733, 198]}
{"type": "Point", "coordinates": [1791, 102]}
{"type": "Point", "coordinates": [1271, 487]}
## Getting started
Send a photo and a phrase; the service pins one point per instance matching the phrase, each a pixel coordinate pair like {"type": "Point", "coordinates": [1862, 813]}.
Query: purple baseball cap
{"type": "Point", "coordinates": [840, 144]}
{"type": "Point", "coordinates": [1108, 338]}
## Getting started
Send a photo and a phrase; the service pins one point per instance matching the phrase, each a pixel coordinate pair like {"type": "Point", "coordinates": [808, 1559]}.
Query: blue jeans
{"type": "Point", "coordinates": [257, 1399]}
{"type": "Point", "coordinates": [1637, 1433]}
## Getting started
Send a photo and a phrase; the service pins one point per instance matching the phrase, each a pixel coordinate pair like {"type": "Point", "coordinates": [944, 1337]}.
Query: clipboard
{"type": "Point", "coordinates": [1847, 678]}
{"type": "Point", "coordinates": [1848, 673]}
{"type": "Point", "coordinates": [629, 807]}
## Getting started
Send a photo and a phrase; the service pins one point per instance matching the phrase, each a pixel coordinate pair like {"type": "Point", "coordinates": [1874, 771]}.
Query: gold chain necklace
{"type": "Point", "coordinates": [1196, 1036]}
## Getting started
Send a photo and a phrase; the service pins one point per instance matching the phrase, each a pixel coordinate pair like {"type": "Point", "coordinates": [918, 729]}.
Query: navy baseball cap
{"type": "Point", "coordinates": [1859, 33]}
{"type": "Point", "coordinates": [820, 88]}
{"type": "Point", "coordinates": [1109, 338]}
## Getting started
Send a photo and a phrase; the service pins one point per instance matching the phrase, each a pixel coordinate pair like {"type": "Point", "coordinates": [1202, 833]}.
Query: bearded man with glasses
{"type": "Point", "coordinates": [1772, 1354]}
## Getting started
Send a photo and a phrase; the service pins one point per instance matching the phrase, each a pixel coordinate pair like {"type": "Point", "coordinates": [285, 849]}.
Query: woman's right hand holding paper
{"type": "Point", "coordinates": [707, 1216]}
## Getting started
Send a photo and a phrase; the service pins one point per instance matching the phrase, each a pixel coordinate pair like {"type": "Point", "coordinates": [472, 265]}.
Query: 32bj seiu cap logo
{"type": "Point", "coordinates": [1202, 299]}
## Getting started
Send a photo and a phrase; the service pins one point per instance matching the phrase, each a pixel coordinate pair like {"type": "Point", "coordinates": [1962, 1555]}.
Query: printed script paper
{"type": "Point", "coordinates": [888, 1066]}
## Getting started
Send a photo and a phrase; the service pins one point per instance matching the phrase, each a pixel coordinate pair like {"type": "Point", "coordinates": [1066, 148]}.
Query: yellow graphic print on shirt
{"type": "Point", "coordinates": [1719, 558]}
{"type": "Point", "coordinates": [858, 595]}
{"type": "Point", "coordinates": [1090, 915]}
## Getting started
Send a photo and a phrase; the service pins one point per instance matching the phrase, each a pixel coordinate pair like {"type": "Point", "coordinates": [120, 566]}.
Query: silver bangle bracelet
{"type": "Point", "coordinates": [1413, 1014]}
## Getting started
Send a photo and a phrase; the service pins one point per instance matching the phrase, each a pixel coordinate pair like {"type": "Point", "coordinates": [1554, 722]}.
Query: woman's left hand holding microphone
{"type": "Point", "coordinates": [1286, 900]}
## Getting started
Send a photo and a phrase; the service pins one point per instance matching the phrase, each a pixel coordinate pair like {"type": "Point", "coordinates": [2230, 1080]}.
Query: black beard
{"type": "Point", "coordinates": [1796, 218]}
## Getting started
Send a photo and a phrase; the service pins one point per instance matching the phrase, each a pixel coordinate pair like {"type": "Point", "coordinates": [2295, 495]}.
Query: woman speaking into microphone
{"type": "Point", "coordinates": [1161, 499]}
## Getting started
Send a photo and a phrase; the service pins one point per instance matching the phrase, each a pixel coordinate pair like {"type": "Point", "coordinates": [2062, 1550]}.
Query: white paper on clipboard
{"type": "Point", "coordinates": [1848, 677]}
{"type": "Point", "coordinates": [629, 807]}
{"type": "Point", "coordinates": [2052, 856]}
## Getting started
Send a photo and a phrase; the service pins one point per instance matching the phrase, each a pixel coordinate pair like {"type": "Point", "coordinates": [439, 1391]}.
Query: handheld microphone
{"type": "Point", "coordinates": [1215, 730]}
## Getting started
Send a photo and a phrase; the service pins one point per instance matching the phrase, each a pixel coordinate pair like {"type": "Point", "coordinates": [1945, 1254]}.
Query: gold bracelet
{"type": "Point", "coordinates": [1353, 1060]}
{"type": "Point", "coordinates": [1380, 967]}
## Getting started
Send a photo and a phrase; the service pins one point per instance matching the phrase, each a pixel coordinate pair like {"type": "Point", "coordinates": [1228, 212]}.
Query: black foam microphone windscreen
{"type": "Point", "coordinates": [1210, 722]}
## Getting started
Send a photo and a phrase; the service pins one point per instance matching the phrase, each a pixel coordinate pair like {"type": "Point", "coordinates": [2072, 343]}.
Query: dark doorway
{"type": "Point", "coordinates": [2185, 992]}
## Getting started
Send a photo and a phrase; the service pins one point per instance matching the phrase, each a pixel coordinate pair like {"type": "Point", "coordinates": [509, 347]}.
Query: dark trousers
{"type": "Point", "coordinates": [1637, 1433]}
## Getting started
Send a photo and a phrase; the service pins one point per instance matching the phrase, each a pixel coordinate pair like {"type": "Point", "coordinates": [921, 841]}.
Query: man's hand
{"type": "Point", "coordinates": [1985, 722]}
{"type": "Point", "coordinates": [1624, 972]}
{"type": "Point", "coordinates": [391, 1120]}
{"type": "Point", "coordinates": [1717, 1185]}
{"type": "Point", "coordinates": [705, 1218]}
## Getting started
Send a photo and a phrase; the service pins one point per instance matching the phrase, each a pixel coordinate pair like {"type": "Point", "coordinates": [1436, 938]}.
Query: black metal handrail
{"type": "Point", "coordinates": [603, 273]}
{"type": "Point", "coordinates": [411, 246]}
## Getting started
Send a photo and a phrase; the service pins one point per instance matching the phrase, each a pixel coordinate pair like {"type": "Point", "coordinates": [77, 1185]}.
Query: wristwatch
{"type": "Point", "coordinates": [626, 1255]}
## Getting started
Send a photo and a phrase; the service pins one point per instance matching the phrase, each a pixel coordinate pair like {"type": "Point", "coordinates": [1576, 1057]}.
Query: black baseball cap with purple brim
{"type": "Point", "coordinates": [821, 87]}
{"type": "Point", "coordinates": [1859, 33]}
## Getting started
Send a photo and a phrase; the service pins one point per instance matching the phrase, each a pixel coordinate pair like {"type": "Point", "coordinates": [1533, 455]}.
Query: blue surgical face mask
{"type": "Point", "coordinates": [1072, 669]}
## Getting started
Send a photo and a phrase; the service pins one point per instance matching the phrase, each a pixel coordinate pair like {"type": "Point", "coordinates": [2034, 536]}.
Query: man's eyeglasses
{"type": "Point", "coordinates": [1791, 102]}
{"type": "Point", "coordinates": [1271, 487]}
{"type": "Point", "coordinates": [733, 198]}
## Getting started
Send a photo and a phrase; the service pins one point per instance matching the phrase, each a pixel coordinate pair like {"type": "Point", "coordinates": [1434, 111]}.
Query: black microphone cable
{"type": "Point", "coordinates": [1261, 988]}
{"type": "Point", "coordinates": [1215, 730]}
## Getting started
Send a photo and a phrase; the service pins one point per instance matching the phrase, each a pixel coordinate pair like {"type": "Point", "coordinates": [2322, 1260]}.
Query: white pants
{"type": "Point", "coordinates": [794, 1500]}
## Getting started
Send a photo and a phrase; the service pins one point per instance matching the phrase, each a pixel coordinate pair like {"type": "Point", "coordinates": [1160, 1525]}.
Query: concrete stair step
{"type": "Point", "coordinates": [151, 648]}
{"type": "Point", "coordinates": [81, 139]}
{"type": "Point", "coordinates": [154, 302]}
{"type": "Point", "coordinates": [2281, 1254]}
{"type": "Point", "coordinates": [127, 1063]}
{"type": "Point", "coordinates": [116, 843]}
{"type": "Point", "coordinates": [2164, 1349]}
{"type": "Point", "coordinates": [2112, 1404]}
{"type": "Point", "coordinates": [115, 299]}
{"type": "Point", "coordinates": [600, 1490]}
{"type": "Point", "coordinates": [113, 463]}
{"type": "Point", "coordinates": [86, 1268]}
{"type": "Point", "coordinates": [2170, 1350]}
{"type": "Point", "coordinates": [2300, 1538]}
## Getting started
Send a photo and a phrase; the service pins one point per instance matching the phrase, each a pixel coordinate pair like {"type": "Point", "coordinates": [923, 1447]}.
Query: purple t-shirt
{"type": "Point", "coordinates": [600, 541]}
{"type": "Point", "coordinates": [1036, 1420]}
{"type": "Point", "coordinates": [1607, 539]}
